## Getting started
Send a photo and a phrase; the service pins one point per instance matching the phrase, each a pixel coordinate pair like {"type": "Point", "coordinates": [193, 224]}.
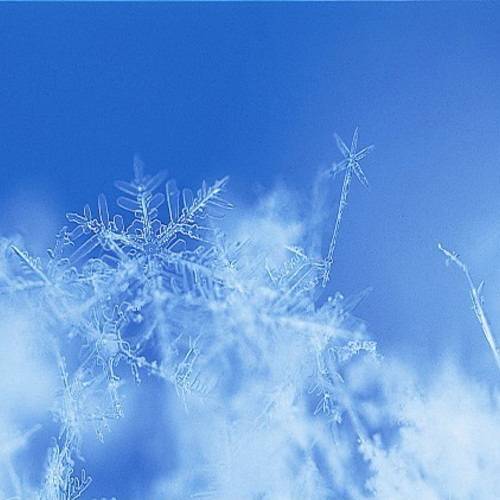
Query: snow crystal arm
{"type": "Point", "coordinates": [85, 249]}
{"type": "Point", "coordinates": [141, 198]}
{"type": "Point", "coordinates": [32, 264]}
{"type": "Point", "coordinates": [78, 485]}
{"type": "Point", "coordinates": [206, 203]}
{"type": "Point", "coordinates": [299, 274]}
{"type": "Point", "coordinates": [103, 210]}
{"type": "Point", "coordinates": [336, 229]}
{"type": "Point", "coordinates": [341, 145]}
{"type": "Point", "coordinates": [142, 184]}
{"type": "Point", "coordinates": [475, 295]}
{"type": "Point", "coordinates": [60, 483]}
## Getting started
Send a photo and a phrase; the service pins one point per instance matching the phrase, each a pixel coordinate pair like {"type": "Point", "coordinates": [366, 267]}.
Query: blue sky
{"type": "Point", "coordinates": [256, 91]}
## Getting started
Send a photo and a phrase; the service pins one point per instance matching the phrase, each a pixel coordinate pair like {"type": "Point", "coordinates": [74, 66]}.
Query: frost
{"type": "Point", "coordinates": [260, 380]}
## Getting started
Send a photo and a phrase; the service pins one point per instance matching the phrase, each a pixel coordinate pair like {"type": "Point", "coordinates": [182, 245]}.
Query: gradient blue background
{"type": "Point", "coordinates": [256, 91]}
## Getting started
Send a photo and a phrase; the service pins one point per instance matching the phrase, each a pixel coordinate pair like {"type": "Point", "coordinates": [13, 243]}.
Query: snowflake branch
{"type": "Point", "coordinates": [477, 306]}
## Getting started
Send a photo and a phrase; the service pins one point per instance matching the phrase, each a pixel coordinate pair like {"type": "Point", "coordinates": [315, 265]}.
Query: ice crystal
{"type": "Point", "coordinates": [477, 302]}
{"type": "Point", "coordinates": [264, 386]}
{"type": "Point", "coordinates": [351, 165]}
{"type": "Point", "coordinates": [158, 288]}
